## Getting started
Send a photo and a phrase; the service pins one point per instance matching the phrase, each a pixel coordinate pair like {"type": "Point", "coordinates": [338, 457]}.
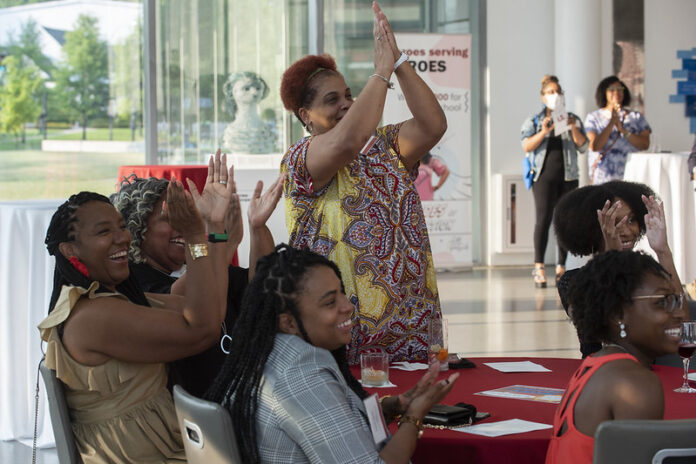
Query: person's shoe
{"type": "Point", "coordinates": [560, 270]}
{"type": "Point", "coordinates": [539, 277]}
{"type": "Point", "coordinates": [691, 290]}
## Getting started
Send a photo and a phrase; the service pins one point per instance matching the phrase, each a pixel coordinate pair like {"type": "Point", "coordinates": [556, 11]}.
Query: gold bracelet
{"type": "Point", "coordinates": [415, 421]}
{"type": "Point", "coordinates": [198, 250]}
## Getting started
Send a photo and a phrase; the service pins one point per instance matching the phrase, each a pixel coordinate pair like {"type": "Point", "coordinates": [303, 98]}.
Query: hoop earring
{"type": "Point", "coordinates": [622, 328]}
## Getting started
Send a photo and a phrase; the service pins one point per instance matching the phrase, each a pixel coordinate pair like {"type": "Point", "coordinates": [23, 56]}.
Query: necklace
{"type": "Point", "coordinates": [225, 338]}
{"type": "Point", "coordinates": [614, 345]}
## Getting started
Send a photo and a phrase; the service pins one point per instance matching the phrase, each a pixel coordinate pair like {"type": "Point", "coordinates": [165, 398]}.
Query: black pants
{"type": "Point", "coordinates": [550, 187]}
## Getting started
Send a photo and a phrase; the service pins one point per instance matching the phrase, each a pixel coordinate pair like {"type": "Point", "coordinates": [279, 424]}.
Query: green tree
{"type": "Point", "coordinates": [18, 87]}
{"type": "Point", "coordinates": [83, 77]}
{"type": "Point", "coordinates": [28, 44]}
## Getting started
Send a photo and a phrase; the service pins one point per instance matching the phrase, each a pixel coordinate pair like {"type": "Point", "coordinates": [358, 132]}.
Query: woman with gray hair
{"type": "Point", "coordinates": [156, 259]}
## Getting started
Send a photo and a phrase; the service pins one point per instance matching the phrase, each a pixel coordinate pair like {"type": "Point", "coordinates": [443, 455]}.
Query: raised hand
{"type": "Point", "coordinates": [385, 44]}
{"type": "Point", "coordinates": [233, 224]}
{"type": "Point", "coordinates": [181, 211]}
{"type": "Point", "coordinates": [655, 225]}
{"type": "Point", "coordinates": [219, 187]}
{"type": "Point", "coordinates": [607, 222]}
{"type": "Point", "coordinates": [262, 206]}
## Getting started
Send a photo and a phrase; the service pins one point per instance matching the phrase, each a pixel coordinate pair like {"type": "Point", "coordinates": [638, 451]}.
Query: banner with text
{"type": "Point", "coordinates": [444, 179]}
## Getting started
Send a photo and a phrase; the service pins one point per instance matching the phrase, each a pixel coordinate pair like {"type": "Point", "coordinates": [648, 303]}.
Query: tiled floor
{"type": "Point", "coordinates": [491, 312]}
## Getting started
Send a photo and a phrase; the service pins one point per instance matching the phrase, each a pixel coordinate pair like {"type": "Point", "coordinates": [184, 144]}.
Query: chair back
{"type": "Point", "coordinates": [648, 441]}
{"type": "Point", "coordinates": [207, 430]}
{"type": "Point", "coordinates": [60, 417]}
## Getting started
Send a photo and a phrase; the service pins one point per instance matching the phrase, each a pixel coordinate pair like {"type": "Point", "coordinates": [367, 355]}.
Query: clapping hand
{"type": "Point", "coordinates": [427, 392]}
{"type": "Point", "coordinates": [655, 226]}
{"type": "Point", "coordinates": [607, 222]}
{"type": "Point", "coordinates": [386, 51]}
{"type": "Point", "coordinates": [262, 206]}
{"type": "Point", "coordinates": [219, 188]}
{"type": "Point", "coordinates": [181, 211]}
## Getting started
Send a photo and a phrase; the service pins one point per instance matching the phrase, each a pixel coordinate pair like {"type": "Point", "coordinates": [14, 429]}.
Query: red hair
{"type": "Point", "coordinates": [295, 91]}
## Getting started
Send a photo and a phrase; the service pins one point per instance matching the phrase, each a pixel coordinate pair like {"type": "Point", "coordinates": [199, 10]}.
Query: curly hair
{"type": "Point", "coordinates": [135, 200]}
{"type": "Point", "coordinates": [228, 89]}
{"type": "Point", "coordinates": [278, 280]}
{"type": "Point", "coordinates": [601, 92]}
{"type": "Point", "coordinates": [298, 87]}
{"type": "Point", "coordinates": [61, 229]}
{"type": "Point", "coordinates": [600, 290]}
{"type": "Point", "coordinates": [575, 216]}
{"type": "Point", "coordinates": [548, 79]}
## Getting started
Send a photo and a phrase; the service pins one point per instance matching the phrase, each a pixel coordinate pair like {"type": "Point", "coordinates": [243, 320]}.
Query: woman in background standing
{"type": "Point", "coordinates": [614, 131]}
{"type": "Point", "coordinates": [554, 159]}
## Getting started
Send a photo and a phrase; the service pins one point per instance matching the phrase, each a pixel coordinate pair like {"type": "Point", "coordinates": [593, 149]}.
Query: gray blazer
{"type": "Point", "coordinates": [307, 412]}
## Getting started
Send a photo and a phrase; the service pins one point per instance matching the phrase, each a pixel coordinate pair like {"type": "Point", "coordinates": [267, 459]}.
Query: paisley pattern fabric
{"type": "Point", "coordinates": [369, 221]}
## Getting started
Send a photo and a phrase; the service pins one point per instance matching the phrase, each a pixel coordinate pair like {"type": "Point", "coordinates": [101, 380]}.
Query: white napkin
{"type": "Point", "coordinates": [506, 427]}
{"type": "Point", "coordinates": [519, 366]}
{"type": "Point", "coordinates": [408, 366]}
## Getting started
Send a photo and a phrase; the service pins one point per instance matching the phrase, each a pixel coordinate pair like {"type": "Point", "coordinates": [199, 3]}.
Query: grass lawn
{"type": "Point", "coordinates": [34, 137]}
{"type": "Point", "coordinates": [30, 174]}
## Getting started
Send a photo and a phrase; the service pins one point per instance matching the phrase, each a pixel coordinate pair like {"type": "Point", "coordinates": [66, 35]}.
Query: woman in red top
{"type": "Point", "coordinates": [625, 299]}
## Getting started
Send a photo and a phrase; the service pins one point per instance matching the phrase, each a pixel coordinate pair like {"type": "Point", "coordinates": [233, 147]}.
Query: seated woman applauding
{"type": "Point", "coordinates": [108, 341]}
{"type": "Point", "coordinates": [626, 300]}
{"type": "Point", "coordinates": [288, 387]}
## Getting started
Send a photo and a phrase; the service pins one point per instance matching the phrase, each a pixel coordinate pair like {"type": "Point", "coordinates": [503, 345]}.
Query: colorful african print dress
{"type": "Point", "coordinates": [369, 221]}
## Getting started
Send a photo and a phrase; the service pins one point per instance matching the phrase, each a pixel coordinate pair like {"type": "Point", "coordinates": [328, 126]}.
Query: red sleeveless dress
{"type": "Point", "coordinates": [574, 447]}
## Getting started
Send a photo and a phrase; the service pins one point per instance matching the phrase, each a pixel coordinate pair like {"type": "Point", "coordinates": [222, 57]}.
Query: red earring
{"type": "Point", "coordinates": [77, 264]}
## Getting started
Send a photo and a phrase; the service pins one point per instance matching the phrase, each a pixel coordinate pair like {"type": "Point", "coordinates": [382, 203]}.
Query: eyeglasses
{"type": "Point", "coordinates": [668, 302]}
{"type": "Point", "coordinates": [616, 89]}
{"type": "Point", "coordinates": [552, 92]}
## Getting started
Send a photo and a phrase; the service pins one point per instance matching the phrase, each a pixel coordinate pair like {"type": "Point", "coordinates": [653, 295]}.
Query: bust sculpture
{"type": "Point", "coordinates": [247, 133]}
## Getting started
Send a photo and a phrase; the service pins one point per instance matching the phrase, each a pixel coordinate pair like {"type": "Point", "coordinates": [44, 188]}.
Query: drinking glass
{"type": "Point", "coordinates": [374, 369]}
{"type": "Point", "coordinates": [686, 350]}
{"type": "Point", "coordinates": [437, 341]}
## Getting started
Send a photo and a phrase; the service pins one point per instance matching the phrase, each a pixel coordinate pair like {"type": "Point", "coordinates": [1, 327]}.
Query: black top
{"type": "Point", "coordinates": [196, 373]}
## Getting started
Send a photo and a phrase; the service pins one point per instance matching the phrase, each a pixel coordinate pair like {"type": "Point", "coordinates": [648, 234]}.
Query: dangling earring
{"type": "Point", "coordinates": [77, 264]}
{"type": "Point", "coordinates": [622, 328]}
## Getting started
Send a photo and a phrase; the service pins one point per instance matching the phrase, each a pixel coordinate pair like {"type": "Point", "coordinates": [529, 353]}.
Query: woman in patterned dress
{"type": "Point", "coordinates": [614, 131]}
{"type": "Point", "coordinates": [350, 193]}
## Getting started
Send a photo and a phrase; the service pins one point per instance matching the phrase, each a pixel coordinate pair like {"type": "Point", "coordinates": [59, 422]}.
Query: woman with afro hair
{"type": "Point", "coordinates": [612, 216]}
{"type": "Point", "coordinates": [350, 193]}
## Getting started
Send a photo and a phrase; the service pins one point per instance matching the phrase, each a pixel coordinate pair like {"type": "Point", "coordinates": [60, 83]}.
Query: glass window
{"type": "Point", "coordinates": [70, 96]}
{"type": "Point", "coordinates": [218, 72]}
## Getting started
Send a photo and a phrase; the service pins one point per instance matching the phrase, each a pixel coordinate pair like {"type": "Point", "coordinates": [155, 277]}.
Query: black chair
{"type": "Point", "coordinates": [60, 417]}
{"type": "Point", "coordinates": [645, 441]}
{"type": "Point", "coordinates": [207, 430]}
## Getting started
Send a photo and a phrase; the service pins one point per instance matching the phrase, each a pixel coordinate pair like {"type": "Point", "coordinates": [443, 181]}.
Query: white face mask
{"type": "Point", "coordinates": [553, 100]}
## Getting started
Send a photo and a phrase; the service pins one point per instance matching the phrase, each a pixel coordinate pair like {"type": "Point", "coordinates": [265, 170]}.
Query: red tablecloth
{"type": "Point", "coordinates": [438, 446]}
{"type": "Point", "coordinates": [197, 173]}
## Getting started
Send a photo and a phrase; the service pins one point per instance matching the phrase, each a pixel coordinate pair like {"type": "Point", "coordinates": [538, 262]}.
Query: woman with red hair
{"type": "Point", "coordinates": [350, 193]}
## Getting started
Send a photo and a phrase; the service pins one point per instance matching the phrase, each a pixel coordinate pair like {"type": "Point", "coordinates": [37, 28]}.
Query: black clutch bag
{"type": "Point", "coordinates": [451, 416]}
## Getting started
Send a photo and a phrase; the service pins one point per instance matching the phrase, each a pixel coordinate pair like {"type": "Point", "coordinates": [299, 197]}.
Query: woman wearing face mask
{"type": "Point", "coordinates": [614, 131]}
{"type": "Point", "coordinates": [554, 160]}
{"type": "Point", "coordinates": [356, 202]}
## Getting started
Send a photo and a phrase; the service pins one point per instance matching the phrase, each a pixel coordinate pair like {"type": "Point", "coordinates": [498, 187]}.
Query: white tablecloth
{"type": "Point", "coordinates": [26, 281]}
{"type": "Point", "coordinates": [668, 175]}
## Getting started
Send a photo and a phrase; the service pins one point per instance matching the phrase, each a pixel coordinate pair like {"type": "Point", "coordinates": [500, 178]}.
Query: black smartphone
{"type": "Point", "coordinates": [481, 415]}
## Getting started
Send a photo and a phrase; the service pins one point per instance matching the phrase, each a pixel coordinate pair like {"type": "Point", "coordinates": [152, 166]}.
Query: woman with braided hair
{"type": "Point", "coordinates": [288, 387]}
{"type": "Point", "coordinates": [108, 341]}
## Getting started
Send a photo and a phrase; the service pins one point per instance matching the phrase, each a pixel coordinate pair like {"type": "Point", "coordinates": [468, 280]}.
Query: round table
{"type": "Point", "coordinates": [437, 446]}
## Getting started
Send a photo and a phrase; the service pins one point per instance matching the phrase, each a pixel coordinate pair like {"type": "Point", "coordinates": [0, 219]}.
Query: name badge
{"type": "Point", "coordinates": [376, 419]}
{"type": "Point", "coordinates": [370, 143]}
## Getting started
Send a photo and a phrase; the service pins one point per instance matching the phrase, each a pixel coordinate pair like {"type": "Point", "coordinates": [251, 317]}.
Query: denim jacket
{"type": "Point", "coordinates": [532, 125]}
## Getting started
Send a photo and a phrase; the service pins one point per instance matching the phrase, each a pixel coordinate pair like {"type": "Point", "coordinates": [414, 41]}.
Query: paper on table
{"type": "Point", "coordinates": [519, 366]}
{"type": "Point", "coordinates": [527, 392]}
{"type": "Point", "coordinates": [408, 366]}
{"type": "Point", "coordinates": [692, 375]}
{"type": "Point", "coordinates": [506, 427]}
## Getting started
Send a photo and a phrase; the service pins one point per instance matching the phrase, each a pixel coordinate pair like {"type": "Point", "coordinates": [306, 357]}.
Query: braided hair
{"type": "Point", "coordinates": [61, 229]}
{"type": "Point", "coordinates": [273, 291]}
{"type": "Point", "coordinates": [135, 200]}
